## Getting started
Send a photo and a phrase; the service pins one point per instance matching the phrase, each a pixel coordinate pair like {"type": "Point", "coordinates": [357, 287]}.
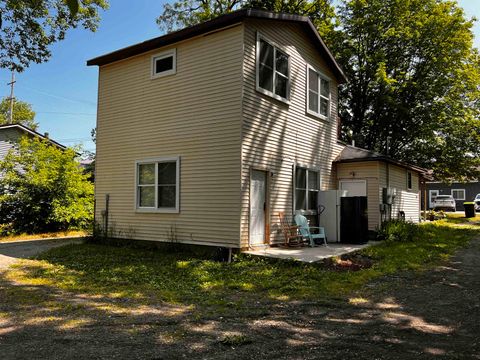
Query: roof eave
{"type": "Point", "coordinates": [214, 24]}
{"type": "Point", "coordinates": [387, 160]}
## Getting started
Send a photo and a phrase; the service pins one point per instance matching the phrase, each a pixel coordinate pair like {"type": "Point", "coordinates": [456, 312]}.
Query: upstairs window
{"type": "Point", "coordinates": [164, 64]}
{"type": "Point", "coordinates": [273, 70]}
{"type": "Point", "coordinates": [307, 186]}
{"type": "Point", "coordinates": [157, 187]}
{"type": "Point", "coordinates": [318, 94]}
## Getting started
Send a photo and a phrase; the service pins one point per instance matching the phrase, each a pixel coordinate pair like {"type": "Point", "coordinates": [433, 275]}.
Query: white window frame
{"type": "Point", "coordinates": [156, 161]}
{"type": "Point", "coordinates": [319, 182]}
{"type": "Point", "coordinates": [307, 95]}
{"type": "Point", "coordinates": [432, 197]}
{"type": "Point", "coordinates": [163, 55]}
{"type": "Point", "coordinates": [257, 70]}
{"type": "Point", "coordinates": [409, 173]}
{"type": "Point", "coordinates": [462, 190]}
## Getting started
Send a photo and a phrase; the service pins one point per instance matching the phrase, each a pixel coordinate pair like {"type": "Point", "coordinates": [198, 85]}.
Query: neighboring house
{"type": "Point", "coordinates": [204, 135]}
{"type": "Point", "coordinates": [461, 192]}
{"type": "Point", "coordinates": [11, 133]}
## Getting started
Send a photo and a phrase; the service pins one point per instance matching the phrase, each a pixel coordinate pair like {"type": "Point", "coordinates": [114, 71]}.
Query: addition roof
{"type": "Point", "coordinates": [218, 23]}
{"type": "Point", "coordinates": [351, 154]}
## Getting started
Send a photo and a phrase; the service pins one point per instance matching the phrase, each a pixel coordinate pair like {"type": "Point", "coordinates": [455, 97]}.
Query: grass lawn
{"type": "Point", "coordinates": [58, 234]}
{"type": "Point", "coordinates": [146, 276]}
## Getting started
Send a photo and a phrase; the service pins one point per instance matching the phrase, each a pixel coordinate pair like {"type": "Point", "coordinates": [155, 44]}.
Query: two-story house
{"type": "Point", "coordinates": [209, 132]}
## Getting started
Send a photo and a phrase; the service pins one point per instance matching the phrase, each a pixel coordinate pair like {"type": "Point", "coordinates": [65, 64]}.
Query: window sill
{"type": "Point", "coordinates": [157, 211]}
{"type": "Point", "coordinates": [162, 74]}
{"type": "Point", "coordinates": [318, 116]}
{"type": "Point", "coordinates": [272, 95]}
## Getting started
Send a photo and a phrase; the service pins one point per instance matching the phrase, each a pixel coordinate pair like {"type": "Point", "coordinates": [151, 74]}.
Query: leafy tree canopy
{"type": "Point", "coordinates": [185, 13]}
{"type": "Point", "coordinates": [28, 28]}
{"type": "Point", "coordinates": [414, 74]}
{"type": "Point", "coordinates": [22, 113]}
{"type": "Point", "coordinates": [43, 188]}
{"type": "Point", "coordinates": [414, 80]}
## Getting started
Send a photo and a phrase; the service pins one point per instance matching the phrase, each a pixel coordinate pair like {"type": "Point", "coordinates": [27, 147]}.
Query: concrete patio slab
{"type": "Point", "coordinates": [308, 254]}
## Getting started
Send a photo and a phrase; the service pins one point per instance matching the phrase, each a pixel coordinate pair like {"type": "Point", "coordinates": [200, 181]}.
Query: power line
{"type": "Point", "coordinates": [59, 97]}
{"type": "Point", "coordinates": [64, 113]}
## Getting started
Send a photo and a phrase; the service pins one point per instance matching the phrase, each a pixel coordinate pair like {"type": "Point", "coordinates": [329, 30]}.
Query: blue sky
{"type": "Point", "coordinates": [63, 91]}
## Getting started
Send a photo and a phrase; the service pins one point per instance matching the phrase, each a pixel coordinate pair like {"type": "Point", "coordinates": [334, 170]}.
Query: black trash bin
{"type": "Point", "coordinates": [469, 209]}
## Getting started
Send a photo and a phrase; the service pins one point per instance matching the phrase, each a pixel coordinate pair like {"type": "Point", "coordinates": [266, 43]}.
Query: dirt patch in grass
{"type": "Point", "coordinates": [42, 236]}
{"type": "Point", "coordinates": [348, 262]}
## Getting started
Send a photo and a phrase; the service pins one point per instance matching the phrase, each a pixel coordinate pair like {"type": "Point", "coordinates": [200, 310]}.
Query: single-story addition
{"type": "Point", "coordinates": [393, 188]}
{"type": "Point", "coordinates": [461, 192]}
{"type": "Point", "coordinates": [11, 134]}
{"type": "Point", "coordinates": [206, 134]}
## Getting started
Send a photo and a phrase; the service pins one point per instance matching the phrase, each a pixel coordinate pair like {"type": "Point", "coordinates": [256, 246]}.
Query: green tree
{"type": "Point", "coordinates": [28, 28]}
{"type": "Point", "coordinates": [22, 113]}
{"type": "Point", "coordinates": [414, 74]}
{"type": "Point", "coordinates": [185, 13]}
{"type": "Point", "coordinates": [43, 188]}
{"type": "Point", "coordinates": [414, 82]}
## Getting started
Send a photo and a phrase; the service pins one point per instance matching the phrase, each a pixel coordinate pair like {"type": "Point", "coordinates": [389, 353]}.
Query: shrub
{"type": "Point", "coordinates": [43, 189]}
{"type": "Point", "coordinates": [398, 230]}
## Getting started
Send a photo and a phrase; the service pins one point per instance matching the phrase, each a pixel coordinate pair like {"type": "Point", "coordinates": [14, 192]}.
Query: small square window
{"type": "Point", "coordinates": [164, 64]}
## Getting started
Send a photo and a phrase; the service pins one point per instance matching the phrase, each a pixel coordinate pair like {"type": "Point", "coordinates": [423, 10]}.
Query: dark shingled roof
{"type": "Point", "coordinates": [218, 23]}
{"type": "Point", "coordinates": [27, 130]}
{"type": "Point", "coordinates": [352, 154]}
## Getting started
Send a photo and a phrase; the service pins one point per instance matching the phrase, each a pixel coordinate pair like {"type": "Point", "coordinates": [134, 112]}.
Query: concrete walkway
{"type": "Point", "coordinates": [11, 252]}
{"type": "Point", "coordinates": [308, 254]}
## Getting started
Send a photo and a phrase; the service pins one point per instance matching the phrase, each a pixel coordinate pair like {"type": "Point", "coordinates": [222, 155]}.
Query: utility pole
{"type": "Point", "coordinates": [12, 99]}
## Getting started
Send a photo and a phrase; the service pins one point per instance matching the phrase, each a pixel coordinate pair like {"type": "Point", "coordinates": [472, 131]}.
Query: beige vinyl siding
{"type": "Point", "coordinates": [407, 200]}
{"type": "Point", "coordinates": [368, 171]}
{"type": "Point", "coordinates": [276, 135]}
{"type": "Point", "coordinates": [194, 114]}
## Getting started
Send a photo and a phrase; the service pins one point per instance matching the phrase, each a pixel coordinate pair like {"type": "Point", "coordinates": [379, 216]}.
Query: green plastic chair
{"type": "Point", "coordinates": [304, 228]}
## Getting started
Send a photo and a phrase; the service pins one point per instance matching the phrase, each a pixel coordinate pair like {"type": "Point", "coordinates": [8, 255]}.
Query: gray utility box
{"type": "Point", "coordinates": [388, 195]}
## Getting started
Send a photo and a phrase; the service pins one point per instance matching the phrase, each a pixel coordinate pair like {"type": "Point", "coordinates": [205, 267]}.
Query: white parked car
{"type": "Point", "coordinates": [477, 202]}
{"type": "Point", "coordinates": [444, 202]}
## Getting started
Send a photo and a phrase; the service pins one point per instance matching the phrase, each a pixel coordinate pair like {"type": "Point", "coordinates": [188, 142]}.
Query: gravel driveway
{"type": "Point", "coordinates": [429, 315]}
{"type": "Point", "coordinates": [10, 252]}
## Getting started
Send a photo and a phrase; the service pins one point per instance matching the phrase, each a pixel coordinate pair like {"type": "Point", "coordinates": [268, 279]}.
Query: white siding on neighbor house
{"type": "Point", "coordinates": [195, 115]}
{"type": "Point", "coordinates": [407, 200]}
{"type": "Point", "coordinates": [368, 171]}
{"type": "Point", "coordinates": [7, 137]}
{"type": "Point", "coordinates": [275, 135]}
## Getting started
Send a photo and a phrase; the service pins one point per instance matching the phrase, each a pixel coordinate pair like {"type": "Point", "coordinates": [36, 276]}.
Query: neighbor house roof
{"type": "Point", "coordinates": [351, 154]}
{"type": "Point", "coordinates": [27, 130]}
{"type": "Point", "coordinates": [218, 23]}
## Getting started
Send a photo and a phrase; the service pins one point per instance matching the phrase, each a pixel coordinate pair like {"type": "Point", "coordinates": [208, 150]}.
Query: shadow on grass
{"type": "Point", "coordinates": [91, 301]}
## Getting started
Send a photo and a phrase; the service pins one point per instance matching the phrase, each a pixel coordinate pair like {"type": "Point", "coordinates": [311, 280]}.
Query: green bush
{"type": "Point", "coordinates": [43, 189]}
{"type": "Point", "coordinates": [398, 230]}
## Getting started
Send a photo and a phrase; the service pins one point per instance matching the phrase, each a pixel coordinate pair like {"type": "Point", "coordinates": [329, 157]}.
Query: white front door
{"type": "Point", "coordinates": [258, 191]}
{"type": "Point", "coordinates": [354, 187]}
{"type": "Point", "coordinates": [432, 194]}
